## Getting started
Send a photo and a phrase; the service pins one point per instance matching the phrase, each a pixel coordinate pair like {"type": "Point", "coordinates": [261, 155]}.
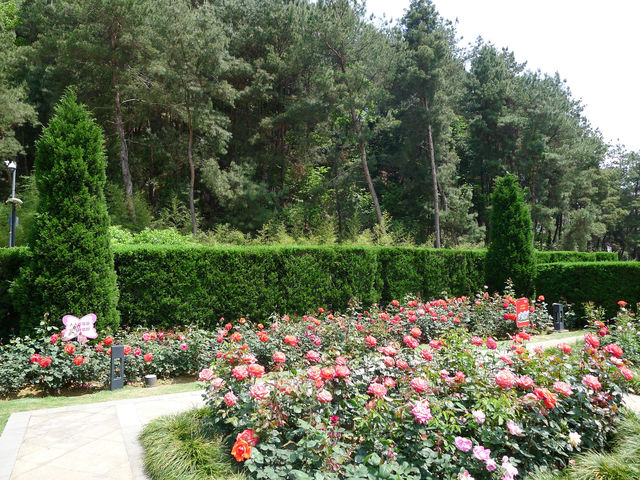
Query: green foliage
{"type": "Point", "coordinates": [510, 253]}
{"type": "Point", "coordinates": [182, 447]}
{"type": "Point", "coordinates": [560, 256]}
{"type": "Point", "coordinates": [604, 283]}
{"type": "Point", "coordinates": [71, 268]}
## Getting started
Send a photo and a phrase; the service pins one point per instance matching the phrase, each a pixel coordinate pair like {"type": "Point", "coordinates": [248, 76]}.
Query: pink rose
{"type": "Point", "coordinates": [426, 354]}
{"type": "Point", "coordinates": [514, 428]}
{"type": "Point", "coordinates": [259, 391]}
{"type": "Point", "coordinates": [565, 347]}
{"type": "Point", "coordinates": [389, 351]}
{"type": "Point", "coordinates": [217, 383]}
{"type": "Point", "coordinates": [416, 332]}
{"type": "Point", "coordinates": [341, 361]}
{"type": "Point", "coordinates": [230, 399]}
{"type": "Point", "coordinates": [463, 444]}
{"type": "Point", "coordinates": [479, 416]}
{"type": "Point", "coordinates": [184, 347]}
{"type": "Point", "coordinates": [312, 356]}
{"type": "Point", "coordinates": [314, 373]}
{"type": "Point", "coordinates": [525, 382]}
{"type": "Point", "coordinates": [591, 382]}
{"type": "Point", "coordinates": [491, 344]}
{"type": "Point", "coordinates": [505, 379]}
{"type": "Point", "coordinates": [327, 373]}
{"type": "Point", "coordinates": [563, 388]}
{"type": "Point", "coordinates": [410, 341]}
{"type": "Point", "coordinates": [377, 389]}
{"type": "Point", "coordinates": [324, 396]}
{"type": "Point", "coordinates": [279, 357]}
{"type": "Point", "coordinates": [371, 340]}
{"type": "Point", "coordinates": [342, 371]}
{"type": "Point", "coordinates": [137, 352]}
{"type": "Point", "coordinates": [626, 372]}
{"type": "Point", "coordinates": [389, 361]}
{"type": "Point", "coordinates": [421, 412]}
{"type": "Point", "coordinates": [256, 370]}
{"type": "Point", "coordinates": [401, 364]}
{"type": "Point", "coordinates": [614, 350]}
{"type": "Point", "coordinates": [420, 385]}
{"type": "Point", "coordinates": [481, 453]}
{"type": "Point", "coordinates": [477, 341]}
{"type": "Point", "coordinates": [240, 372]}
{"type": "Point", "coordinates": [206, 375]}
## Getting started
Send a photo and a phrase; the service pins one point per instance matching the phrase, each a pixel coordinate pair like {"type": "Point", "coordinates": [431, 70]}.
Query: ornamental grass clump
{"type": "Point", "coordinates": [371, 395]}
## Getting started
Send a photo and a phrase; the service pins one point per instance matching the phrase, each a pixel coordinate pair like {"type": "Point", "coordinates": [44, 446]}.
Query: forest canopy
{"type": "Point", "coordinates": [301, 121]}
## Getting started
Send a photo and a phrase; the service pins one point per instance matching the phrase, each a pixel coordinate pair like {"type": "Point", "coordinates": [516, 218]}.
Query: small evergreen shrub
{"type": "Point", "coordinates": [510, 253]}
{"type": "Point", "coordinates": [71, 269]}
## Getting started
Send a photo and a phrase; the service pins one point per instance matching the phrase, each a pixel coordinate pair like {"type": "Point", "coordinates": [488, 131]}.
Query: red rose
{"type": "Point", "coordinates": [291, 340]}
{"type": "Point", "coordinates": [371, 340]}
{"type": "Point", "coordinates": [541, 298]}
{"type": "Point", "coordinates": [241, 450]}
{"type": "Point", "coordinates": [491, 343]}
{"type": "Point", "coordinates": [236, 336]}
{"type": "Point", "coordinates": [546, 396]}
{"type": "Point", "coordinates": [78, 360]}
{"type": "Point", "coordinates": [70, 349]}
{"type": "Point", "coordinates": [148, 357]}
{"type": "Point", "coordinates": [108, 341]}
{"type": "Point", "coordinates": [477, 341]}
{"type": "Point", "coordinates": [592, 340]}
{"type": "Point", "coordinates": [45, 362]}
{"type": "Point", "coordinates": [614, 350]}
{"type": "Point", "coordinates": [622, 303]}
{"type": "Point", "coordinates": [54, 338]}
{"type": "Point", "coordinates": [35, 358]}
{"type": "Point", "coordinates": [127, 349]}
{"type": "Point", "coordinates": [626, 372]}
{"type": "Point", "coordinates": [565, 347]}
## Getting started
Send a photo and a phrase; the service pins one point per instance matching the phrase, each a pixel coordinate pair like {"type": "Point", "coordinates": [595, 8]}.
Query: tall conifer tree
{"type": "Point", "coordinates": [71, 271]}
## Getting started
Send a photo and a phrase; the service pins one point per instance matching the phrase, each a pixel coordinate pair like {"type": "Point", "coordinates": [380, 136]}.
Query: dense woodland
{"type": "Point", "coordinates": [290, 120]}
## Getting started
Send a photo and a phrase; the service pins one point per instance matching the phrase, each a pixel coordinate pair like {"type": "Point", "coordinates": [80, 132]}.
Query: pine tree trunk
{"type": "Point", "coordinates": [434, 177]}
{"type": "Point", "coordinates": [124, 153]}
{"type": "Point", "coordinates": [365, 165]}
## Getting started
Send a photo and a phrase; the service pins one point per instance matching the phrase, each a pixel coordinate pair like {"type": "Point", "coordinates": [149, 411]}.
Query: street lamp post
{"type": "Point", "coordinates": [13, 220]}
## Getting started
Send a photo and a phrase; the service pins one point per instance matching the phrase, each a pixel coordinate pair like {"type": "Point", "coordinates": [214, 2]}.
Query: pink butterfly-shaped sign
{"type": "Point", "coordinates": [75, 326]}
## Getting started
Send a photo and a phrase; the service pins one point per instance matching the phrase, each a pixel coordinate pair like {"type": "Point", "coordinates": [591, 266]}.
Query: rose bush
{"type": "Point", "coordinates": [48, 362]}
{"type": "Point", "coordinates": [438, 406]}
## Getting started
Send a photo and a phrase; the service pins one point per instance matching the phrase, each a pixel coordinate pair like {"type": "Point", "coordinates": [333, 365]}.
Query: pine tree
{"type": "Point", "coordinates": [510, 253]}
{"type": "Point", "coordinates": [71, 270]}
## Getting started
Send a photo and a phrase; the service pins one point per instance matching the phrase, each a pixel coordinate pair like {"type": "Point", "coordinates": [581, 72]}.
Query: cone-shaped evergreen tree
{"type": "Point", "coordinates": [510, 253]}
{"type": "Point", "coordinates": [71, 271]}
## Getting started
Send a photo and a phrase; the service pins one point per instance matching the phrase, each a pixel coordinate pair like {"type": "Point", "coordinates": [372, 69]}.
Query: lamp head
{"type": "Point", "coordinates": [10, 164]}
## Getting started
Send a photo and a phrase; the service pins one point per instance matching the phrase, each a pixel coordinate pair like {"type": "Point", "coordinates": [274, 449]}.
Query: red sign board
{"type": "Point", "coordinates": [522, 312]}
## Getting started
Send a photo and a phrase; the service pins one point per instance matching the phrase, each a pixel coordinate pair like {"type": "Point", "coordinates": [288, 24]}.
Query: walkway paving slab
{"type": "Point", "coordinates": [93, 441]}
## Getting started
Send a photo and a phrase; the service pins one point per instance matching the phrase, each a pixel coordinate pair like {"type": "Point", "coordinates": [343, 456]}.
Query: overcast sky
{"type": "Point", "coordinates": [594, 45]}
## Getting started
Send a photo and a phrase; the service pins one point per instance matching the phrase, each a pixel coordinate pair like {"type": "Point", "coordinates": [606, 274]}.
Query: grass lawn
{"type": "Point", "coordinates": [7, 407]}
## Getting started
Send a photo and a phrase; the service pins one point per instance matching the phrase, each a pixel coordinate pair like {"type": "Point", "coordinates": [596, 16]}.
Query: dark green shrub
{"type": "Point", "coordinates": [11, 260]}
{"type": "Point", "coordinates": [560, 256]}
{"type": "Point", "coordinates": [71, 268]}
{"type": "Point", "coordinates": [604, 283]}
{"type": "Point", "coordinates": [510, 253]}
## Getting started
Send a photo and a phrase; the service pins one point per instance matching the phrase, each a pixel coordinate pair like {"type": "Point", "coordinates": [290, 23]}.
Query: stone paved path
{"type": "Point", "coordinates": [93, 441]}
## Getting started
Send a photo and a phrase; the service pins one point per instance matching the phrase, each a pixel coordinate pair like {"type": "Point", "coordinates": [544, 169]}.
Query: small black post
{"type": "Point", "coordinates": [558, 317]}
{"type": "Point", "coordinates": [117, 355]}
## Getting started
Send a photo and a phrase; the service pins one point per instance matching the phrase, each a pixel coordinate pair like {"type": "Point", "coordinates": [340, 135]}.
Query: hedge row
{"type": "Point", "coordinates": [553, 257]}
{"type": "Point", "coordinates": [604, 283]}
{"type": "Point", "coordinates": [168, 285]}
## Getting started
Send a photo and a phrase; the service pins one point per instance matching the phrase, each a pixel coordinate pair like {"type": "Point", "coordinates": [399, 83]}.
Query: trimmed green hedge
{"type": "Point", "coordinates": [167, 285]}
{"type": "Point", "coordinates": [553, 257]}
{"type": "Point", "coordinates": [604, 283]}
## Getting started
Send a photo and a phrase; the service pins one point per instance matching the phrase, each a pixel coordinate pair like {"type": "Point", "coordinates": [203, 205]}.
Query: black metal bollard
{"type": "Point", "coordinates": [558, 317]}
{"type": "Point", "coordinates": [117, 357]}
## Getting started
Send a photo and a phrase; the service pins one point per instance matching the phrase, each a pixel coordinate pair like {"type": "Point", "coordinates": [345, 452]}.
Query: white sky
{"type": "Point", "coordinates": [594, 45]}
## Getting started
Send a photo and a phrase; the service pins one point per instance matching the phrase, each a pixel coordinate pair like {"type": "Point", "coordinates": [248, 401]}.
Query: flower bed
{"type": "Point", "coordinates": [404, 393]}
{"type": "Point", "coordinates": [48, 362]}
